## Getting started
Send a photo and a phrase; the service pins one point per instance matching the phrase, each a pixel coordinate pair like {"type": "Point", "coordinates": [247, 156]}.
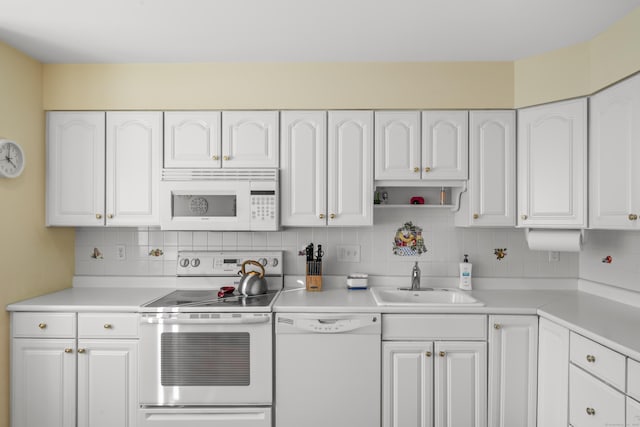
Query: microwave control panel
{"type": "Point", "coordinates": [263, 206]}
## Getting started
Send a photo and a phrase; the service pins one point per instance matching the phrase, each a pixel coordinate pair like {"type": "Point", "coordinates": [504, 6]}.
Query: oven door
{"type": "Point", "coordinates": [205, 205]}
{"type": "Point", "coordinates": [205, 359]}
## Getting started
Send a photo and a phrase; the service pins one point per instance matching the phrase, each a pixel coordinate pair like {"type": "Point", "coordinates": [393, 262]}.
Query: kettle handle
{"type": "Point", "coordinates": [252, 262]}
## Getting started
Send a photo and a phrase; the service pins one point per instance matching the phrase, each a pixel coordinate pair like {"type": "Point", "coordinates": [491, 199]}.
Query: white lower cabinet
{"type": "Point", "coordinates": [58, 381]}
{"type": "Point", "coordinates": [592, 402]}
{"type": "Point", "coordinates": [433, 381]}
{"type": "Point", "coordinates": [553, 374]}
{"type": "Point", "coordinates": [107, 383]}
{"type": "Point", "coordinates": [513, 364]}
{"type": "Point", "coordinates": [633, 412]}
{"type": "Point", "coordinates": [407, 378]}
{"type": "Point", "coordinates": [43, 382]}
{"type": "Point", "coordinates": [460, 384]}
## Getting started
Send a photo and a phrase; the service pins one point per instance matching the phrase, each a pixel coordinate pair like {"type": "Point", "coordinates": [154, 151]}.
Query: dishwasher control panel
{"type": "Point", "coordinates": [327, 324]}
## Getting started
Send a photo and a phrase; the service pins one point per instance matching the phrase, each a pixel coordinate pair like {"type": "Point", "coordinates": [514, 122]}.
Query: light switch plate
{"type": "Point", "coordinates": [121, 252]}
{"type": "Point", "coordinates": [348, 253]}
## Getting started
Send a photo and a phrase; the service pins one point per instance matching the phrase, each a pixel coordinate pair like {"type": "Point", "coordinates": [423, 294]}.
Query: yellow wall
{"type": "Point", "coordinates": [33, 259]}
{"type": "Point", "coordinates": [581, 69]}
{"type": "Point", "coordinates": [278, 86]}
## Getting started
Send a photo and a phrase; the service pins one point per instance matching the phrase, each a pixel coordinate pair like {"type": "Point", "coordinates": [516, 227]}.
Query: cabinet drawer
{"type": "Point", "coordinates": [633, 379]}
{"type": "Point", "coordinates": [102, 325]}
{"type": "Point", "coordinates": [434, 327]}
{"type": "Point", "coordinates": [51, 325]}
{"type": "Point", "coordinates": [593, 403]}
{"type": "Point", "coordinates": [598, 360]}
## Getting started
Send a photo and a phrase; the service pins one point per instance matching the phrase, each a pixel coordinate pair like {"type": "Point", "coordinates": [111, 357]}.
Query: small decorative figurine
{"type": "Point", "coordinates": [500, 253]}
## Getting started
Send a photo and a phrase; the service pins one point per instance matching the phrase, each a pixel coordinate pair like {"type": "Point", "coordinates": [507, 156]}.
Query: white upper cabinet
{"type": "Point", "coordinates": [350, 168]}
{"type": "Point", "coordinates": [303, 168]}
{"type": "Point", "coordinates": [444, 145]}
{"type": "Point", "coordinates": [614, 147]}
{"type": "Point", "coordinates": [397, 145]}
{"type": "Point", "coordinates": [491, 196]}
{"type": "Point", "coordinates": [192, 139]}
{"type": "Point", "coordinates": [552, 161]}
{"type": "Point", "coordinates": [75, 168]}
{"type": "Point", "coordinates": [103, 171]}
{"type": "Point", "coordinates": [250, 139]}
{"type": "Point", "coordinates": [134, 141]}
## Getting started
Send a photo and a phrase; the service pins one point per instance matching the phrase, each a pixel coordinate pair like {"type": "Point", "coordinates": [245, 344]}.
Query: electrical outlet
{"type": "Point", "coordinates": [121, 252]}
{"type": "Point", "coordinates": [348, 253]}
{"type": "Point", "coordinates": [554, 256]}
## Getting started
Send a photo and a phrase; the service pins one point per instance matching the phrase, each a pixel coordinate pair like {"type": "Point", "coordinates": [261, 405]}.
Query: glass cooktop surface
{"type": "Point", "coordinates": [209, 299]}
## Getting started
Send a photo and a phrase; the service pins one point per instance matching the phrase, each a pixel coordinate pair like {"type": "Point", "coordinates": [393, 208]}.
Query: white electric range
{"type": "Point", "coordinates": [208, 359]}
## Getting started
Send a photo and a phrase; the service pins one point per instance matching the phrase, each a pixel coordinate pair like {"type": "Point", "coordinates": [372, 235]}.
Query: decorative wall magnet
{"type": "Point", "coordinates": [96, 254]}
{"type": "Point", "coordinates": [408, 240]}
{"type": "Point", "coordinates": [500, 253]}
{"type": "Point", "coordinates": [608, 259]}
{"type": "Point", "coordinates": [156, 252]}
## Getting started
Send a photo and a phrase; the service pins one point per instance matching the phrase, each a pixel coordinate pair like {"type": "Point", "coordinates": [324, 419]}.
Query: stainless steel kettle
{"type": "Point", "coordinates": [252, 282]}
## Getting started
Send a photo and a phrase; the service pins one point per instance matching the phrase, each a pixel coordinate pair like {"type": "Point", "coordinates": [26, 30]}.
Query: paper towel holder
{"type": "Point", "coordinates": [583, 235]}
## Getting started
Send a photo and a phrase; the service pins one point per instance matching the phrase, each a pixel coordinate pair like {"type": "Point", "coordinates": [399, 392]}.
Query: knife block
{"type": "Point", "coordinates": [314, 276]}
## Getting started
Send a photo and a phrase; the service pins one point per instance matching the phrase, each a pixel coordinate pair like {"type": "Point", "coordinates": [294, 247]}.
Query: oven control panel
{"type": "Point", "coordinates": [214, 263]}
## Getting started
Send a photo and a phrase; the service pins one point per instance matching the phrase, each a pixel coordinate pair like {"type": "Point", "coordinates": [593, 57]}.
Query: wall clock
{"type": "Point", "coordinates": [11, 159]}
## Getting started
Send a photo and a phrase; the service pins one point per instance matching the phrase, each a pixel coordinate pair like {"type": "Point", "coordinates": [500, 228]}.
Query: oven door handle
{"type": "Point", "coordinates": [214, 321]}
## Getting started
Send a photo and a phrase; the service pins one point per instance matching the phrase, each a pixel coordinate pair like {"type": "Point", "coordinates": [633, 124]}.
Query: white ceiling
{"type": "Point", "coordinates": [119, 31]}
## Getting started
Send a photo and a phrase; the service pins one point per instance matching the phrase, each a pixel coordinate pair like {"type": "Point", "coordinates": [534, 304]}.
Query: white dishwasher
{"type": "Point", "coordinates": [327, 370]}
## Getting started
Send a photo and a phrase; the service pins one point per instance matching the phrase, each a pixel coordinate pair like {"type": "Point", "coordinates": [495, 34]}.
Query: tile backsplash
{"type": "Point", "coordinates": [151, 252]}
{"type": "Point", "coordinates": [622, 269]}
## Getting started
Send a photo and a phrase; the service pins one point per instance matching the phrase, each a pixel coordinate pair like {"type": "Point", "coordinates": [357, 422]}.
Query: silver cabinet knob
{"type": "Point", "coordinates": [108, 326]}
{"type": "Point", "coordinates": [591, 358]}
{"type": "Point", "coordinates": [42, 325]}
{"type": "Point", "coordinates": [591, 411]}
{"type": "Point", "coordinates": [523, 217]}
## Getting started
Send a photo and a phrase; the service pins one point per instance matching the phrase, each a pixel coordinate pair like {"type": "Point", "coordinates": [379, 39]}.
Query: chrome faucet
{"type": "Point", "coordinates": [415, 277]}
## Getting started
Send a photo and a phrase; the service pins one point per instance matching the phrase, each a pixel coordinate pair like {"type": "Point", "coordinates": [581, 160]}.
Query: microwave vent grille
{"type": "Point", "coordinates": [219, 174]}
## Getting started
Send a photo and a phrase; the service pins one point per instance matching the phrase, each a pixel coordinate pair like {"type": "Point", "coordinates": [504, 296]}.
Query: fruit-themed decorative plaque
{"type": "Point", "coordinates": [408, 240]}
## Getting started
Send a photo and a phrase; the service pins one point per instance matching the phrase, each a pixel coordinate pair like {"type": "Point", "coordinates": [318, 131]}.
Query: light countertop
{"type": "Point", "coordinates": [611, 323]}
{"type": "Point", "coordinates": [91, 299]}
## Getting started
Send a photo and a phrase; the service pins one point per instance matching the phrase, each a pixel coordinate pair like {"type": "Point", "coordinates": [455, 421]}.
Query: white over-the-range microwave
{"type": "Point", "coordinates": [219, 199]}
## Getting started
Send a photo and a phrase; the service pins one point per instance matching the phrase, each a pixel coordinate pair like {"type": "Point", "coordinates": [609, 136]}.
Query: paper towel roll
{"type": "Point", "coordinates": [555, 240]}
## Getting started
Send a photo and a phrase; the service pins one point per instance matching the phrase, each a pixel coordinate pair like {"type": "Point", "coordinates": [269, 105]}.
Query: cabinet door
{"type": "Point", "coordinates": [513, 354]}
{"type": "Point", "coordinates": [445, 145]}
{"type": "Point", "coordinates": [350, 168]}
{"type": "Point", "coordinates": [107, 383]}
{"type": "Point", "coordinates": [250, 139]}
{"type": "Point", "coordinates": [303, 168]}
{"type": "Point", "coordinates": [614, 178]}
{"type": "Point", "coordinates": [192, 139]}
{"type": "Point", "coordinates": [460, 384]}
{"type": "Point", "coordinates": [407, 384]}
{"type": "Point", "coordinates": [492, 169]}
{"type": "Point", "coordinates": [397, 145]}
{"type": "Point", "coordinates": [553, 374]}
{"type": "Point", "coordinates": [75, 168]}
{"type": "Point", "coordinates": [133, 167]}
{"type": "Point", "coordinates": [552, 160]}
{"type": "Point", "coordinates": [43, 382]}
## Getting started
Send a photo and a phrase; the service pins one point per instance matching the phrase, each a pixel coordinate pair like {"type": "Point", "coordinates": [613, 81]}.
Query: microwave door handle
{"type": "Point", "coordinates": [208, 321]}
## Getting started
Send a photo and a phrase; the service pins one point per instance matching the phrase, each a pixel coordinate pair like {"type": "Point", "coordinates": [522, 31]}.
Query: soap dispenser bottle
{"type": "Point", "coordinates": [465, 274]}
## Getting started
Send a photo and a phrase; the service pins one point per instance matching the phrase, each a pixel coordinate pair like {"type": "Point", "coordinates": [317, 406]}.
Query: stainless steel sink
{"type": "Point", "coordinates": [424, 297]}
